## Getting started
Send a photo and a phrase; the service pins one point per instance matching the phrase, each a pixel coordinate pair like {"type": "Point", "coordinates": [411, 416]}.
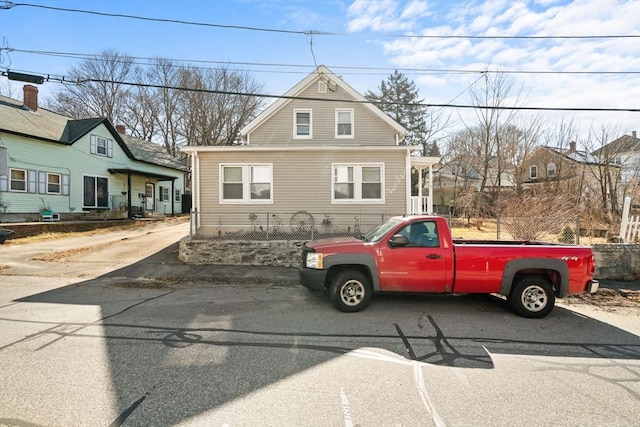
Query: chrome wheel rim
{"type": "Point", "coordinates": [534, 298]}
{"type": "Point", "coordinates": [352, 293]}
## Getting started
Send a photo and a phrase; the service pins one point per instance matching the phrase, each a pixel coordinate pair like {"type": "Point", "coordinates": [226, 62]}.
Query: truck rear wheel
{"type": "Point", "coordinates": [350, 291]}
{"type": "Point", "coordinates": [532, 297]}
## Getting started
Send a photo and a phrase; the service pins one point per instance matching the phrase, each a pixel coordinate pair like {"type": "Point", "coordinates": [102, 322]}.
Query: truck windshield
{"type": "Point", "coordinates": [380, 231]}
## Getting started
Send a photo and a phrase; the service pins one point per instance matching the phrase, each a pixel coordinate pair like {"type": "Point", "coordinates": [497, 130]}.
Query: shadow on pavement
{"type": "Point", "coordinates": [195, 338]}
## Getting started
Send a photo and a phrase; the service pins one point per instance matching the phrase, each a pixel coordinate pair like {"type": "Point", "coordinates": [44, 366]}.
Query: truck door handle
{"type": "Point", "coordinates": [434, 256]}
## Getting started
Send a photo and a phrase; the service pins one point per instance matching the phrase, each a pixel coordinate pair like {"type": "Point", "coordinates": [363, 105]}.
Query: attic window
{"type": "Point", "coordinates": [302, 124]}
{"type": "Point", "coordinates": [322, 86]}
{"type": "Point", "coordinates": [101, 146]}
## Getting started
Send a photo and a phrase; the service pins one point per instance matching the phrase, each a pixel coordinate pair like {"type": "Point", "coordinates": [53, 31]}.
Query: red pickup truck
{"type": "Point", "coordinates": [418, 254]}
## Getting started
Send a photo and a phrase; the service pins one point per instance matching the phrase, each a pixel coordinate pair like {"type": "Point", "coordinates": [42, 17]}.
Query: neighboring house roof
{"type": "Point", "coordinates": [151, 153]}
{"type": "Point", "coordinates": [577, 156]}
{"type": "Point", "coordinates": [322, 72]}
{"type": "Point", "coordinates": [45, 125]}
{"type": "Point", "coordinates": [622, 145]}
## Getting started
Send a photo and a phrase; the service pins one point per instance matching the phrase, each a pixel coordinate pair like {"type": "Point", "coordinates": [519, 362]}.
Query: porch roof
{"type": "Point", "coordinates": [129, 171]}
{"type": "Point", "coordinates": [424, 162]}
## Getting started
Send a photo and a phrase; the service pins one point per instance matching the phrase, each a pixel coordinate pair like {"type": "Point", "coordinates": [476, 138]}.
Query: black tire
{"type": "Point", "coordinates": [350, 291]}
{"type": "Point", "coordinates": [532, 297]}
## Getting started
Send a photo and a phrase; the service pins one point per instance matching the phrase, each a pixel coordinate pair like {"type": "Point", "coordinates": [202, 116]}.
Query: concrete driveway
{"type": "Point", "coordinates": [114, 330]}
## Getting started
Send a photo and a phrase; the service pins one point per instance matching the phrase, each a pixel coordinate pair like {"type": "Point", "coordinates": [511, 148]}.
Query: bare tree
{"type": "Point", "coordinates": [606, 170]}
{"type": "Point", "coordinates": [154, 108]}
{"type": "Point", "coordinates": [98, 89]}
{"type": "Point", "coordinates": [492, 123]}
{"type": "Point", "coordinates": [216, 107]}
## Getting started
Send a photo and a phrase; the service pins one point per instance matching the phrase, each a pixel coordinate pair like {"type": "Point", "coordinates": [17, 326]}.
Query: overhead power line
{"type": "Point", "coordinates": [80, 80]}
{"type": "Point", "coordinates": [10, 5]}
{"type": "Point", "coordinates": [136, 59]}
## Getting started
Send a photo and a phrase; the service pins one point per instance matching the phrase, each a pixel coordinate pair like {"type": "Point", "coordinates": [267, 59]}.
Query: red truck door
{"type": "Point", "coordinates": [420, 266]}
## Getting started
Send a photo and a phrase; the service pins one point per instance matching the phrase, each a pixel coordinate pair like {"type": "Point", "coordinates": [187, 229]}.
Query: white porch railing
{"type": "Point", "coordinates": [420, 205]}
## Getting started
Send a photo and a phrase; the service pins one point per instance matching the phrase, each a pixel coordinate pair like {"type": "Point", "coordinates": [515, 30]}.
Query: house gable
{"type": "Point", "coordinates": [322, 109]}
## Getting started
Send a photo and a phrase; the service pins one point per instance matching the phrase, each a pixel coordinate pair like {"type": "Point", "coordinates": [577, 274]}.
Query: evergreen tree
{"type": "Point", "coordinates": [399, 98]}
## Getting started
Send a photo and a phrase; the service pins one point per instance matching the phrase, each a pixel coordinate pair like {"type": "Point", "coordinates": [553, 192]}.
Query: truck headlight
{"type": "Point", "coordinates": [314, 260]}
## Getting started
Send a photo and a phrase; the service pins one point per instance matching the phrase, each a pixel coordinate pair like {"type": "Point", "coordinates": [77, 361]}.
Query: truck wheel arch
{"type": "Point", "coordinates": [535, 266]}
{"type": "Point", "coordinates": [363, 262]}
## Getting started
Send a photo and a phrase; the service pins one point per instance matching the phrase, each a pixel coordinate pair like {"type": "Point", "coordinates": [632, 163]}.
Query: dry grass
{"type": "Point", "coordinates": [45, 237]}
{"type": "Point", "coordinates": [486, 229]}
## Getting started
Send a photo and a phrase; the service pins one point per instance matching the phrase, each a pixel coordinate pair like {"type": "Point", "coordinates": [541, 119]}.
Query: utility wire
{"type": "Point", "coordinates": [96, 57]}
{"type": "Point", "coordinates": [80, 80]}
{"type": "Point", "coordinates": [10, 5]}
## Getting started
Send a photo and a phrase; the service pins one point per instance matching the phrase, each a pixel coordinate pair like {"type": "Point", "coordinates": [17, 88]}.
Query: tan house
{"type": "Point", "coordinates": [319, 156]}
{"type": "Point", "coordinates": [624, 152]}
{"type": "Point", "coordinates": [553, 169]}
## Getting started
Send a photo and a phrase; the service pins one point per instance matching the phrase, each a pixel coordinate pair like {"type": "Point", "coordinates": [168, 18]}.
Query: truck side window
{"type": "Point", "coordinates": [421, 234]}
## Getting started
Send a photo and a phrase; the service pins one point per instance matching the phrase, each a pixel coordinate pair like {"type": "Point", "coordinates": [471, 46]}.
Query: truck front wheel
{"type": "Point", "coordinates": [350, 291]}
{"type": "Point", "coordinates": [532, 297]}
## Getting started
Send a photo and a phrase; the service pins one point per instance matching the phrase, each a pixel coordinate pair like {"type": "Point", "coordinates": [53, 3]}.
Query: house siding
{"type": "Point", "coordinates": [303, 180]}
{"type": "Point", "coordinates": [44, 156]}
{"type": "Point", "coordinates": [369, 129]}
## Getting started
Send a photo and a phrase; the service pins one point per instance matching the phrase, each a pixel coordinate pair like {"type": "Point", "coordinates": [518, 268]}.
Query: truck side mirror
{"type": "Point", "coordinates": [399, 240]}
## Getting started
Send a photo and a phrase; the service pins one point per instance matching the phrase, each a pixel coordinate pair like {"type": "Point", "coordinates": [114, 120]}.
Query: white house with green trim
{"type": "Point", "coordinates": [49, 162]}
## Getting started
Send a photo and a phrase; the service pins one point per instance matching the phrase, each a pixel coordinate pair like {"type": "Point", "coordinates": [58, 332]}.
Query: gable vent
{"type": "Point", "coordinates": [322, 87]}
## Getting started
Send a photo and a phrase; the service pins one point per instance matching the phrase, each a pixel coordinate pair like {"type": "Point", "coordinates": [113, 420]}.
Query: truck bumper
{"type": "Point", "coordinates": [592, 286]}
{"type": "Point", "coordinates": [311, 278]}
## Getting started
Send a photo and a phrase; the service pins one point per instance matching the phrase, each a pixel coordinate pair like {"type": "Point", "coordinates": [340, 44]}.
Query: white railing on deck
{"type": "Point", "coordinates": [420, 205]}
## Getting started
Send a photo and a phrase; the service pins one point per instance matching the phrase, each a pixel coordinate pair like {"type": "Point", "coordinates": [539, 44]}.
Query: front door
{"type": "Point", "coordinates": [421, 266]}
{"type": "Point", "coordinates": [149, 197]}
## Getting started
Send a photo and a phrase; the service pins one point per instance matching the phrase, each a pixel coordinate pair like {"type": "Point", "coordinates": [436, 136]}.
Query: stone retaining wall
{"type": "Point", "coordinates": [617, 261]}
{"type": "Point", "coordinates": [282, 253]}
{"type": "Point", "coordinates": [614, 261]}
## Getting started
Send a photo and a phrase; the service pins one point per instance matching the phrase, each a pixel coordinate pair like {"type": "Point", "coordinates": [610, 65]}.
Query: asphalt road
{"type": "Point", "coordinates": [113, 330]}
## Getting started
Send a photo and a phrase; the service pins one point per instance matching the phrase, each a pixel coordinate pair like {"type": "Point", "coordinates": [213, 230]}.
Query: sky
{"type": "Point", "coordinates": [442, 46]}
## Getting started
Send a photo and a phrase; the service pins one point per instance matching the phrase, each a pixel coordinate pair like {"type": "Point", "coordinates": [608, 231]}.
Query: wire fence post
{"type": "Point", "coordinates": [577, 230]}
{"type": "Point", "coordinates": [498, 231]}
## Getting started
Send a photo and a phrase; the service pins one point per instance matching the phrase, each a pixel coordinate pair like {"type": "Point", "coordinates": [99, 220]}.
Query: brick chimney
{"type": "Point", "coordinates": [572, 147]}
{"type": "Point", "coordinates": [31, 97]}
{"type": "Point", "coordinates": [120, 129]}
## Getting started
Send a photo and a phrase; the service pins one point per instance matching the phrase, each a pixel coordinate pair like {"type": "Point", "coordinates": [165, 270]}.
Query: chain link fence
{"type": "Point", "coordinates": [545, 229]}
{"type": "Point", "coordinates": [304, 225]}
{"type": "Point", "coordinates": [267, 226]}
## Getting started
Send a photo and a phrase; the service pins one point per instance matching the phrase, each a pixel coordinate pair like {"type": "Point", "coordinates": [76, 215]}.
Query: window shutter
{"type": "Point", "coordinates": [93, 144]}
{"type": "Point", "coordinates": [42, 182]}
{"type": "Point", "coordinates": [65, 185]}
{"type": "Point", "coordinates": [109, 148]}
{"type": "Point", "coordinates": [4, 161]}
{"type": "Point", "coordinates": [4, 183]}
{"type": "Point", "coordinates": [32, 183]}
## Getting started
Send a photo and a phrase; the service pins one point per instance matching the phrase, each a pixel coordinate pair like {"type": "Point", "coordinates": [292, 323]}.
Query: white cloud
{"type": "Point", "coordinates": [524, 18]}
{"type": "Point", "coordinates": [385, 15]}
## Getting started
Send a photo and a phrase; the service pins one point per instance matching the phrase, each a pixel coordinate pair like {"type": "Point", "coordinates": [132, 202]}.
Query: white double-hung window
{"type": "Point", "coordinates": [551, 170]}
{"type": "Point", "coordinates": [302, 124]}
{"type": "Point", "coordinates": [18, 180]}
{"type": "Point", "coordinates": [101, 146]}
{"type": "Point", "coordinates": [360, 183]}
{"type": "Point", "coordinates": [344, 123]}
{"type": "Point", "coordinates": [242, 183]}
